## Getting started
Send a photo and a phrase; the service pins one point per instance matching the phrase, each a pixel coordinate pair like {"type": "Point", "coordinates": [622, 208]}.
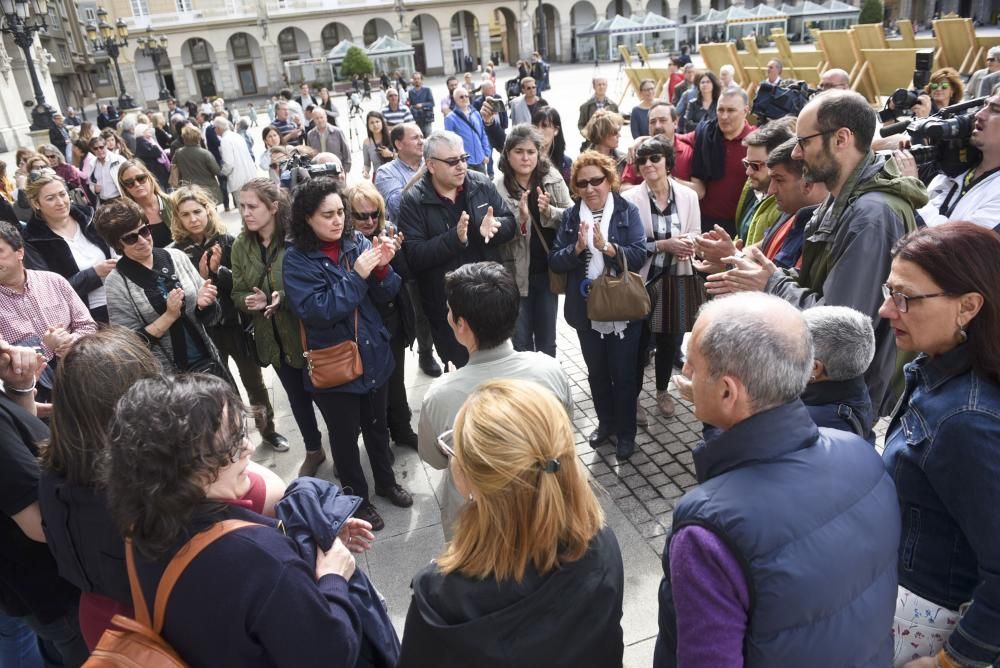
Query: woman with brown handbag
{"type": "Point", "coordinates": [332, 276]}
{"type": "Point", "coordinates": [594, 237]}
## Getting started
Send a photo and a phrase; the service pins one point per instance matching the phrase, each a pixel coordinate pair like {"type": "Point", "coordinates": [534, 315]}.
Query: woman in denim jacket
{"type": "Point", "coordinates": [943, 301]}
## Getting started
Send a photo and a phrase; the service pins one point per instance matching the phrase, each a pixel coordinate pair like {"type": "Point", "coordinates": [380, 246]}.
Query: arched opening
{"type": "Point", "coordinates": [661, 7]}
{"type": "Point", "coordinates": [687, 10]}
{"type": "Point", "coordinates": [505, 47]}
{"type": "Point", "coordinates": [547, 32]}
{"type": "Point", "coordinates": [374, 29]}
{"type": "Point", "coordinates": [621, 7]}
{"type": "Point", "coordinates": [247, 62]}
{"type": "Point", "coordinates": [293, 44]}
{"type": "Point", "coordinates": [153, 80]}
{"type": "Point", "coordinates": [333, 34]}
{"type": "Point", "coordinates": [581, 16]}
{"type": "Point", "coordinates": [198, 58]}
{"type": "Point", "coordinates": [425, 38]}
{"type": "Point", "coordinates": [464, 41]}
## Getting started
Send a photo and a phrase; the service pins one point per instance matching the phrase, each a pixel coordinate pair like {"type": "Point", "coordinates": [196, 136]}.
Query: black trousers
{"type": "Point", "coordinates": [611, 373]}
{"type": "Point", "coordinates": [229, 341]}
{"type": "Point", "coordinates": [668, 350]}
{"type": "Point", "coordinates": [301, 402]}
{"type": "Point", "coordinates": [344, 414]}
{"type": "Point", "coordinates": [425, 344]}
{"type": "Point", "coordinates": [398, 410]}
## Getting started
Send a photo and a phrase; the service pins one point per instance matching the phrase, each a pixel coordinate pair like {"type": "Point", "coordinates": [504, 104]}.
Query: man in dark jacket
{"type": "Point", "coordinates": [59, 135]}
{"type": "Point", "coordinates": [764, 556]}
{"type": "Point", "coordinates": [600, 100]}
{"type": "Point", "coordinates": [451, 217]}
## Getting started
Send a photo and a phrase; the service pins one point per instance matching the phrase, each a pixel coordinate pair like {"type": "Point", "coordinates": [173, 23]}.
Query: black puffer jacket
{"type": "Point", "coordinates": [56, 255]}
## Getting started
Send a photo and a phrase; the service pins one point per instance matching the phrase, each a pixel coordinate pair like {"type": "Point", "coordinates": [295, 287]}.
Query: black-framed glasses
{"type": "Point", "coordinates": [453, 162]}
{"type": "Point", "coordinates": [446, 443]}
{"type": "Point", "coordinates": [138, 178]}
{"type": "Point", "coordinates": [654, 158]}
{"type": "Point", "coordinates": [594, 182]}
{"type": "Point", "coordinates": [133, 237]}
{"type": "Point", "coordinates": [801, 141]}
{"type": "Point", "coordinates": [902, 302]}
{"type": "Point", "coordinates": [98, 147]}
{"type": "Point", "coordinates": [364, 215]}
{"type": "Point", "coordinates": [753, 165]}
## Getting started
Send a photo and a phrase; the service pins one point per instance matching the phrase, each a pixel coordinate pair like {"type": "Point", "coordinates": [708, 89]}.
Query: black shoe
{"type": "Point", "coordinates": [429, 365]}
{"type": "Point", "coordinates": [368, 513]}
{"type": "Point", "coordinates": [624, 449]}
{"type": "Point", "coordinates": [397, 495]}
{"type": "Point", "coordinates": [408, 440]}
{"type": "Point", "coordinates": [599, 436]}
{"type": "Point", "coordinates": [277, 442]}
{"type": "Point", "coordinates": [312, 463]}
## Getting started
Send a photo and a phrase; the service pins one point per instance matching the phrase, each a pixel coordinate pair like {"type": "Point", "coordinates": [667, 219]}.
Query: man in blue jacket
{"type": "Point", "coordinates": [468, 124]}
{"type": "Point", "coordinates": [450, 217]}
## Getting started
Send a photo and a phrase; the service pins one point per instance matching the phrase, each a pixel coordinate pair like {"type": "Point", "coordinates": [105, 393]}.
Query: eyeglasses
{"type": "Point", "coordinates": [364, 215]}
{"type": "Point", "coordinates": [641, 160]}
{"type": "Point", "coordinates": [647, 89]}
{"type": "Point", "coordinates": [453, 162]}
{"type": "Point", "coordinates": [594, 182]}
{"type": "Point", "coordinates": [902, 302]}
{"type": "Point", "coordinates": [752, 165]}
{"type": "Point", "coordinates": [139, 178]}
{"type": "Point", "coordinates": [446, 443]}
{"type": "Point", "coordinates": [801, 141]}
{"type": "Point", "coordinates": [98, 147]}
{"type": "Point", "coordinates": [944, 85]}
{"type": "Point", "coordinates": [133, 237]}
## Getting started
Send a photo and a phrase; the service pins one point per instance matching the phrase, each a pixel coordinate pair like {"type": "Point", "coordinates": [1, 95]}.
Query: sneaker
{"type": "Point", "coordinates": [624, 449]}
{"type": "Point", "coordinates": [366, 511]}
{"type": "Point", "coordinates": [641, 418]}
{"type": "Point", "coordinates": [311, 463]}
{"type": "Point", "coordinates": [665, 403]}
{"type": "Point", "coordinates": [397, 495]}
{"type": "Point", "coordinates": [277, 442]}
{"type": "Point", "coordinates": [429, 365]}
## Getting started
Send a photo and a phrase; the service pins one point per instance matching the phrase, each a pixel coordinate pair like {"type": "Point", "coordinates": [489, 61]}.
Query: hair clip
{"type": "Point", "coordinates": [551, 466]}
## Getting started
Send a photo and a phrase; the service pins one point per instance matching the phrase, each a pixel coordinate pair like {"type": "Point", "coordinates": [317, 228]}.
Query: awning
{"type": "Point", "coordinates": [388, 46]}
{"type": "Point", "coordinates": [619, 25]}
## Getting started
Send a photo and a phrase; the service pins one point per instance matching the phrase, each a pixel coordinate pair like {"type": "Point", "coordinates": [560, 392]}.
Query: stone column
{"type": "Point", "coordinates": [446, 56]}
{"type": "Point", "coordinates": [484, 43]}
{"type": "Point", "coordinates": [565, 40]}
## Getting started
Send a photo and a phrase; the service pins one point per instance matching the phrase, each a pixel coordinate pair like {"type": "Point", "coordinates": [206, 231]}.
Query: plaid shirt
{"type": "Point", "coordinates": [47, 301]}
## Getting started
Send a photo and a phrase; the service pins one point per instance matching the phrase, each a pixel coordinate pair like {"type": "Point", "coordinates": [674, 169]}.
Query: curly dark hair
{"type": "Point", "coordinates": [169, 438]}
{"type": "Point", "coordinates": [305, 201]}
{"type": "Point", "coordinates": [91, 378]}
{"type": "Point", "coordinates": [658, 146]}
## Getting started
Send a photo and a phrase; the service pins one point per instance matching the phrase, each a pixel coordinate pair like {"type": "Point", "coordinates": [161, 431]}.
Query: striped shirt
{"type": "Point", "coordinates": [48, 301]}
{"type": "Point", "coordinates": [401, 115]}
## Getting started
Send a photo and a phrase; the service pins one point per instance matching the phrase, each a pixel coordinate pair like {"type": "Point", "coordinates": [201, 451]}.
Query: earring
{"type": "Point", "coordinates": [961, 335]}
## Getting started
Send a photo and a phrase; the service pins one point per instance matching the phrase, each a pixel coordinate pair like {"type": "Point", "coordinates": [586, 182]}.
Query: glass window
{"type": "Point", "coordinates": [199, 50]}
{"type": "Point", "coordinates": [416, 31]}
{"type": "Point", "coordinates": [240, 46]}
{"type": "Point", "coordinates": [286, 42]}
{"type": "Point", "coordinates": [183, 5]}
{"type": "Point", "coordinates": [139, 7]}
{"type": "Point", "coordinates": [64, 55]}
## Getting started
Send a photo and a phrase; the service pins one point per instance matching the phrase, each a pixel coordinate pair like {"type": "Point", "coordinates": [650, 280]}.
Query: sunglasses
{"type": "Point", "coordinates": [139, 178]}
{"type": "Point", "coordinates": [99, 147]}
{"type": "Point", "coordinates": [446, 443]}
{"type": "Point", "coordinates": [133, 237]}
{"type": "Point", "coordinates": [364, 215]}
{"type": "Point", "coordinates": [752, 165]}
{"type": "Point", "coordinates": [944, 85]}
{"type": "Point", "coordinates": [594, 182]}
{"type": "Point", "coordinates": [453, 162]}
{"type": "Point", "coordinates": [654, 158]}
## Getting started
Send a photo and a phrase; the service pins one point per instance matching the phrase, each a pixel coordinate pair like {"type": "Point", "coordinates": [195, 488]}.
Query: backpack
{"type": "Point", "coordinates": [137, 642]}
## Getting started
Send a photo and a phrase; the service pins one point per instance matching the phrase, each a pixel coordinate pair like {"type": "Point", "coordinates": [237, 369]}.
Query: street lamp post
{"type": "Point", "coordinates": [151, 48]}
{"type": "Point", "coordinates": [109, 42]}
{"type": "Point", "coordinates": [22, 21]}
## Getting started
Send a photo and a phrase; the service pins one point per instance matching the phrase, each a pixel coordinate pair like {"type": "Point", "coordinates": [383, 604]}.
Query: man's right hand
{"type": "Point", "coordinates": [463, 227]}
{"type": "Point", "coordinates": [486, 111]}
{"type": "Point", "coordinates": [717, 244]}
{"type": "Point", "coordinates": [338, 561]}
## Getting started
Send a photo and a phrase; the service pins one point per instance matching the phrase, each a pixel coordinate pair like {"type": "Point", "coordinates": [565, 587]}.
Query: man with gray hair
{"type": "Point", "coordinates": [981, 82]}
{"type": "Point", "coordinates": [844, 344]}
{"type": "Point", "coordinates": [835, 79]}
{"type": "Point", "coordinates": [238, 165]}
{"type": "Point", "coordinates": [328, 138]}
{"type": "Point", "coordinates": [785, 553]}
{"type": "Point", "coordinates": [450, 217]}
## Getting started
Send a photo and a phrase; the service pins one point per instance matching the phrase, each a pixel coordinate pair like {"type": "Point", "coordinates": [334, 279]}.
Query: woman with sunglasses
{"type": "Point", "coordinates": [533, 187]}
{"type": "Point", "coordinates": [945, 88]}
{"type": "Point", "coordinates": [377, 148]}
{"type": "Point", "coordinates": [671, 217]}
{"type": "Point", "coordinates": [549, 123]}
{"type": "Point", "coordinates": [702, 107]}
{"type": "Point", "coordinates": [943, 301]}
{"type": "Point", "coordinates": [65, 239]}
{"type": "Point", "coordinates": [137, 184]}
{"type": "Point", "coordinates": [158, 293]}
{"type": "Point", "coordinates": [547, 589]}
{"type": "Point", "coordinates": [368, 213]}
{"type": "Point", "coordinates": [591, 236]}
{"type": "Point", "coordinates": [639, 117]}
{"type": "Point", "coordinates": [74, 179]}
{"type": "Point", "coordinates": [603, 133]}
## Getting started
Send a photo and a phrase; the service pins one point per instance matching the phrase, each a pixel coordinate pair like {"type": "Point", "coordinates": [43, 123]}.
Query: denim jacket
{"type": "Point", "coordinates": [943, 452]}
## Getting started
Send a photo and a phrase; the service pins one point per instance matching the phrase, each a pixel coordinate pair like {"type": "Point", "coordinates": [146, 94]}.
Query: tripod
{"type": "Point", "coordinates": [355, 122]}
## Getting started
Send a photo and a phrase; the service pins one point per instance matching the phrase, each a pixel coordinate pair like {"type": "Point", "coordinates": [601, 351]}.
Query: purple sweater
{"type": "Point", "coordinates": [711, 598]}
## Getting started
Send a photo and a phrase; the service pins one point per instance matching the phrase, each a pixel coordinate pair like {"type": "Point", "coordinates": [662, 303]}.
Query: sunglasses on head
{"type": "Point", "coordinates": [596, 181]}
{"type": "Point", "coordinates": [138, 178]}
{"type": "Point", "coordinates": [133, 237]}
{"type": "Point", "coordinates": [364, 215]}
{"type": "Point", "coordinates": [654, 158]}
{"type": "Point", "coordinates": [453, 162]}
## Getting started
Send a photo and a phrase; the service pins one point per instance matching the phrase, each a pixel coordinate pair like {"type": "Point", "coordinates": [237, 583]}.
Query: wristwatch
{"type": "Point", "coordinates": [604, 248]}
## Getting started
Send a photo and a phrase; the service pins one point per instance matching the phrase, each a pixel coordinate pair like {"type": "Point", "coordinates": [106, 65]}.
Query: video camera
{"type": "Point", "coordinates": [942, 139]}
{"type": "Point", "coordinates": [779, 100]}
{"type": "Point", "coordinates": [299, 168]}
{"type": "Point", "coordinates": [903, 99]}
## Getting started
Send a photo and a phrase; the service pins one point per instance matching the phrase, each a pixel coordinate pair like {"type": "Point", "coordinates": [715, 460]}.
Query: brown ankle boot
{"type": "Point", "coordinates": [311, 463]}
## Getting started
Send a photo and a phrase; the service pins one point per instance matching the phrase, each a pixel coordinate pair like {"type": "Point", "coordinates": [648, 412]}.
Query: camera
{"type": "Point", "coordinates": [777, 101]}
{"type": "Point", "coordinates": [940, 143]}
{"type": "Point", "coordinates": [299, 168]}
{"type": "Point", "coordinates": [496, 103]}
{"type": "Point", "coordinates": [903, 99]}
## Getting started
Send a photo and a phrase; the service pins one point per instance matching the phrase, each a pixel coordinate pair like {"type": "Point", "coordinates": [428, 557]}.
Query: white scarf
{"type": "Point", "coordinates": [596, 265]}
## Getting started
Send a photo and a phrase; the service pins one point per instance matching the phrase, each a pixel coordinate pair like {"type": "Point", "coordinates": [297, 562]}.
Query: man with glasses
{"type": "Point", "coordinates": [835, 79]}
{"type": "Point", "coordinates": [482, 305]}
{"type": "Point", "coordinates": [848, 242]}
{"type": "Point", "coordinates": [450, 217]}
{"type": "Point", "coordinates": [104, 176]}
{"type": "Point", "coordinates": [976, 88]}
{"type": "Point", "coordinates": [468, 124]}
{"type": "Point", "coordinates": [757, 210]}
{"type": "Point", "coordinates": [523, 108]}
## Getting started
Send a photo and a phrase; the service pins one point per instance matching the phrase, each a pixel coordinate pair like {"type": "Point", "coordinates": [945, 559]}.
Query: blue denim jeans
{"type": "Point", "coordinates": [535, 330]}
{"type": "Point", "coordinates": [18, 644]}
{"type": "Point", "coordinates": [60, 641]}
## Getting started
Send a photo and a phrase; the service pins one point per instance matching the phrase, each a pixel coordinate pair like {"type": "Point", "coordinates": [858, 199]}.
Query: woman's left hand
{"type": "Point", "coordinates": [207, 294]}
{"type": "Point", "coordinates": [543, 202]}
{"type": "Point", "coordinates": [356, 535]}
{"type": "Point", "coordinates": [386, 248]}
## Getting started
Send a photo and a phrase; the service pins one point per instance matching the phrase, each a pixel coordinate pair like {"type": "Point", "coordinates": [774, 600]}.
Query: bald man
{"type": "Point", "coordinates": [835, 79]}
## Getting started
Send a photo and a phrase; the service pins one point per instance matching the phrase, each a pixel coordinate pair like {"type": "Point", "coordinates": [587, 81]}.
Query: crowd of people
{"type": "Point", "coordinates": [793, 284]}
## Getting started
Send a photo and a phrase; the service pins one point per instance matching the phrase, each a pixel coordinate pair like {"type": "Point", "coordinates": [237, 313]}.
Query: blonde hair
{"type": "Point", "coordinates": [603, 123]}
{"type": "Point", "coordinates": [40, 178]}
{"type": "Point", "coordinates": [134, 163]}
{"type": "Point", "coordinates": [214, 228]}
{"type": "Point", "coordinates": [366, 190]}
{"type": "Point", "coordinates": [509, 436]}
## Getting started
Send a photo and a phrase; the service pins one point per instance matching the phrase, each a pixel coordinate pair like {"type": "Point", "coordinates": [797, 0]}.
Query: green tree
{"type": "Point", "coordinates": [871, 12]}
{"type": "Point", "coordinates": [356, 62]}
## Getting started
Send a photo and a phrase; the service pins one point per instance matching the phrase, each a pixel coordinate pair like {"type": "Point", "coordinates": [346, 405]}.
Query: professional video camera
{"type": "Point", "coordinates": [299, 168]}
{"type": "Point", "coordinates": [903, 99]}
{"type": "Point", "coordinates": [779, 100]}
{"type": "Point", "coordinates": [942, 139]}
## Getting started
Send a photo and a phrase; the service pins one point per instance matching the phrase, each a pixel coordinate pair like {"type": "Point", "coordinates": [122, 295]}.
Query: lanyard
{"type": "Point", "coordinates": [968, 183]}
